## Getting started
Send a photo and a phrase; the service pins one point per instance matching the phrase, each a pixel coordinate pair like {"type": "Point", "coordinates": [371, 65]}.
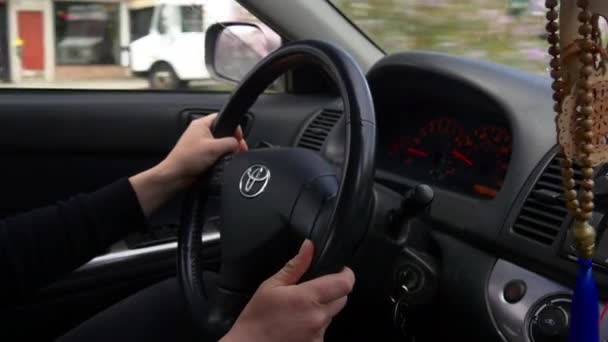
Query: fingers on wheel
{"type": "Point", "coordinates": [331, 287]}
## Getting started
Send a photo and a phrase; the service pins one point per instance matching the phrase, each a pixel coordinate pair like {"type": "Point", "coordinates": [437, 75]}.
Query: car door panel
{"type": "Point", "coordinates": [54, 144]}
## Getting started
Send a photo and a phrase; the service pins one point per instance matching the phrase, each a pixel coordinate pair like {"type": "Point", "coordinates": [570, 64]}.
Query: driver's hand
{"type": "Point", "coordinates": [283, 310]}
{"type": "Point", "coordinates": [197, 150]}
{"type": "Point", "coordinates": [193, 154]}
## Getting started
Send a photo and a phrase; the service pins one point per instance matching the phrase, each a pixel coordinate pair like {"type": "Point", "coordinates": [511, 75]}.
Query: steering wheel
{"type": "Point", "coordinates": [271, 199]}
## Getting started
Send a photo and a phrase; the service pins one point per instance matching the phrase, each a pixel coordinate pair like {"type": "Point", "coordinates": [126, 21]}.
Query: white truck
{"type": "Point", "coordinates": [172, 53]}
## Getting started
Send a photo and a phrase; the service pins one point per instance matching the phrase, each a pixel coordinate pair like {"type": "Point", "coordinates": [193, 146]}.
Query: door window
{"type": "Point", "coordinates": [115, 44]}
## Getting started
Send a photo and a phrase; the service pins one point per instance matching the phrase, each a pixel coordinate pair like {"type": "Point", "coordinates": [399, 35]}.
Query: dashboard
{"type": "Point", "coordinates": [482, 136]}
{"type": "Point", "coordinates": [466, 154]}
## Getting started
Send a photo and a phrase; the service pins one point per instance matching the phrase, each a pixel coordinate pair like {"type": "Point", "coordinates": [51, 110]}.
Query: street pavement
{"type": "Point", "coordinates": [105, 84]}
{"type": "Point", "coordinates": [124, 83]}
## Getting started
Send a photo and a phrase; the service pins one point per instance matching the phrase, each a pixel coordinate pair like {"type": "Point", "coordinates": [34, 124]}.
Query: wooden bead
{"type": "Point", "coordinates": [557, 107]}
{"type": "Point", "coordinates": [584, 84]}
{"type": "Point", "coordinates": [553, 38]}
{"type": "Point", "coordinates": [552, 15]}
{"type": "Point", "coordinates": [587, 135]}
{"type": "Point", "coordinates": [584, 30]}
{"type": "Point", "coordinates": [587, 58]}
{"type": "Point", "coordinates": [554, 50]}
{"type": "Point", "coordinates": [585, 99]}
{"type": "Point", "coordinates": [552, 27]}
{"type": "Point", "coordinates": [572, 205]}
{"type": "Point", "coordinates": [567, 172]}
{"type": "Point", "coordinates": [569, 183]}
{"type": "Point", "coordinates": [566, 163]}
{"type": "Point", "coordinates": [556, 73]}
{"type": "Point", "coordinates": [587, 46]}
{"type": "Point", "coordinates": [557, 85]}
{"type": "Point", "coordinates": [581, 93]}
{"type": "Point", "coordinates": [586, 161]}
{"type": "Point", "coordinates": [588, 148]}
{"type": "Point", "coordinates": [586, 110]}
{"type": "Point", "coordinates": [584, 16]}
{"type": "Point", "coordinates": [587, 71]}
{"type": "Point", "coordinates": [551, 3]}
{"type": "Point", "coordinates": [587, 124]}
{"type": "Point", "coordinates": [587, 138]}
{"type": "Point", "coordinates": [555, 63]}
{"type": "Point", "coordinates": [587, 196]}
{"type": "Point", "coordinates": [570, 195]}
{"type": "Point", "coordinates": [588, 184]}
{"type": "Point", "coordinates": [558, 95]}
{"type": "Point", "coordinates": [587, 207]}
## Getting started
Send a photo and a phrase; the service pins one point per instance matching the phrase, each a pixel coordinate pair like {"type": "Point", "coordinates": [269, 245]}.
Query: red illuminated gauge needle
{"type": "Point", "coordinates": [417, 152]}
{"type": "Point", "coordinates": [462, 157]}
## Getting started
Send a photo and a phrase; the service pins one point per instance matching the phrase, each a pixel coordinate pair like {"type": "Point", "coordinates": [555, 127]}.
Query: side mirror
{"type": "Point", "coordinates": [234, 48]}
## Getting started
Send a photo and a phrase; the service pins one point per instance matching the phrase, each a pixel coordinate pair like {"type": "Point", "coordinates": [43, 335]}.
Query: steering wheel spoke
{"type": "Point", "coordinates": [213, 180]}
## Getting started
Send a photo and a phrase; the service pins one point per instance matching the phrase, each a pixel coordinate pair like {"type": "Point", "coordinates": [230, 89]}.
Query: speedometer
{"type": "Point", "coordinates": [489, 150]}
{"type": "Point", "coordinates": [429, 152]}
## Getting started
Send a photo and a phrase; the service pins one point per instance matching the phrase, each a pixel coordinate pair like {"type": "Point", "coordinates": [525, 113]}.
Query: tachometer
{"type": "Point", "coordinates": [489, 151]}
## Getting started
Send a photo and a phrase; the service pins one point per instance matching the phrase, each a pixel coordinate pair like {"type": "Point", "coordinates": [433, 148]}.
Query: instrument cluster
{"type": "Point", "coordinates": [464, 154]}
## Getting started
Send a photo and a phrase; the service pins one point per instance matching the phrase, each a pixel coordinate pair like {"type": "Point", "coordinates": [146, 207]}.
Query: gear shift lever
{"type": "Point", "coordinates": [415, 202]}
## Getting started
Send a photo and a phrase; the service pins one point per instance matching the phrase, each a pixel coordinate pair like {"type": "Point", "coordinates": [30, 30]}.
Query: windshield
{"type": "Point", "coordinates": [509, 32]}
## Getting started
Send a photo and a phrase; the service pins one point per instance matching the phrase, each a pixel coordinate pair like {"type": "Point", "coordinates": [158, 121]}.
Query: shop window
{"type": "Point", "coordinates": [86, 33]}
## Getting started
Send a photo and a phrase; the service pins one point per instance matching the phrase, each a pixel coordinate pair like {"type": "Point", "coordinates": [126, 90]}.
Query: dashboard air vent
{"type": "Point", "coordinates": [544, 211]}
{"type": "Point", "coordinates": [317, 131]}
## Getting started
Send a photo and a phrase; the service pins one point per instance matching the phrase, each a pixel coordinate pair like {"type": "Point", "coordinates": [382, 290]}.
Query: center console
{"type": "Point", "coordinates": [527, 307]}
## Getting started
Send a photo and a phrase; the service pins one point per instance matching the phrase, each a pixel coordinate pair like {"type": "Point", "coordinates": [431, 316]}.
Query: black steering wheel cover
{"type": "Point", "coordinates": [354, 201]}
{"type": "Point", "coordinates": [190, 270]}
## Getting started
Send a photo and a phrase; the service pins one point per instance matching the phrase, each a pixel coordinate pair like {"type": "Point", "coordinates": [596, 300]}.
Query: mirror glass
{"type": "Point", "coordinates": [239, 48]}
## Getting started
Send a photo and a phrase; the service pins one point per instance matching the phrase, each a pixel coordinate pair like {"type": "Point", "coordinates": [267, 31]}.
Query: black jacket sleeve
{"type": "Point", "coordinates": [40, 246]}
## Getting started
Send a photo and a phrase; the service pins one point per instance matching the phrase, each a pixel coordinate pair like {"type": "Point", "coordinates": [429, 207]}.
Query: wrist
{"type": "Point", "coordinates": [155, 186]}
{"type": "Point", "coordinates": [246, 331]}
{"type": "Point", "coordinates": [169, 177]}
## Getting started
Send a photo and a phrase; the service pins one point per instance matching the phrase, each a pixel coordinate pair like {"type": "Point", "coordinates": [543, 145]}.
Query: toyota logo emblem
{"type": "Point", "coordinates": [254, 180]}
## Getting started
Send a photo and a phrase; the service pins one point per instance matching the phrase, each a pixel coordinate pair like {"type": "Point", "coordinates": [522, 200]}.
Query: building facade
{"type": "Point", "coordinates": [50, 39]}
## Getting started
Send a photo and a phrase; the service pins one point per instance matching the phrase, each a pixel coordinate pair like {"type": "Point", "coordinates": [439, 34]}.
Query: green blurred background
{"type": "Point", "coordinates": [505, 31]}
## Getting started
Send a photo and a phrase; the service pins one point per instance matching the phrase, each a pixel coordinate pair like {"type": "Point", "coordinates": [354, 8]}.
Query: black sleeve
{"type": "Point", "coordinates": [39, 246]}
